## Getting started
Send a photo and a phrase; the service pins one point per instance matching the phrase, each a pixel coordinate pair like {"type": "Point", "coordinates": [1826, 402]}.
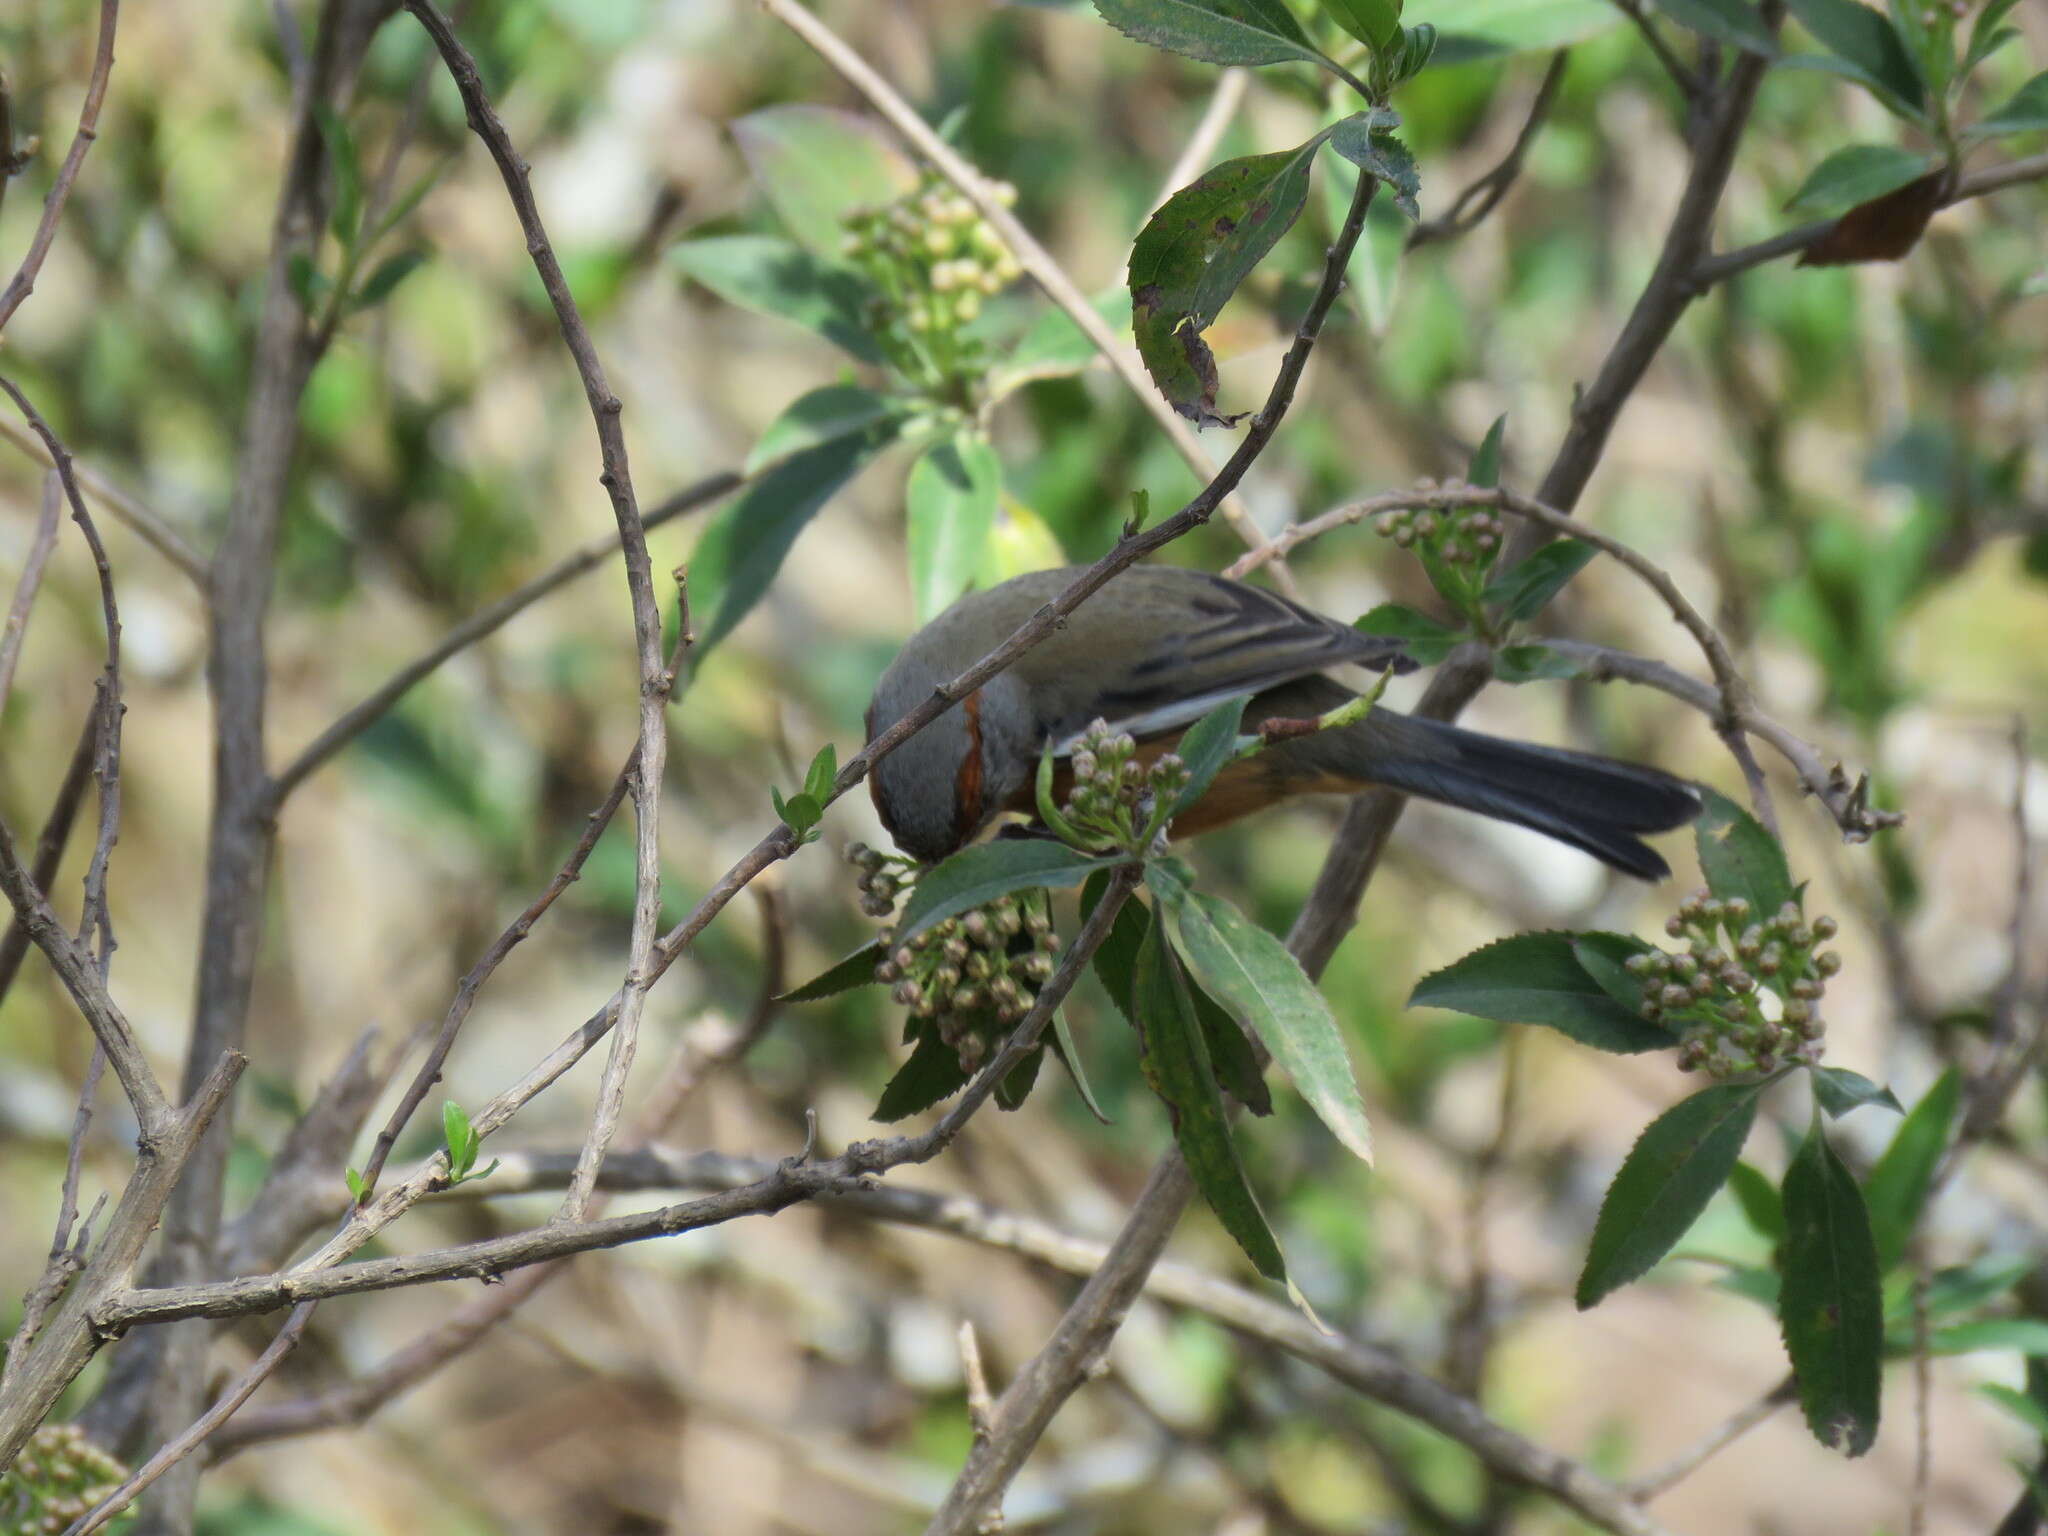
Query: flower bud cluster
{"type": "Point", "coordinates": [57, 1478]}
{"type": "Point", "coordinates": [882, 877]}
{"type": "Point", "coordinates": [1714, 990]}
{"type": "Point", "coordinates": [933, 259]}
{"type": "Point", "coordinates": [975, 975]}
{"type": "Point", "coordinates": [1118, 801]}
{"type": "Point", "coordinates": [1467, 536]}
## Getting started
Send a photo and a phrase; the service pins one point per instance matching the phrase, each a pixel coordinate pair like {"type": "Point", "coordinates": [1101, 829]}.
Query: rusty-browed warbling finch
{"type": "Point", "coordinates": [1159, 647]}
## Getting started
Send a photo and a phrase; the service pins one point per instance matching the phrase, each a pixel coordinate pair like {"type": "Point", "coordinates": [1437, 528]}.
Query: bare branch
{"type": "Point", "coordinates": [50, 843]}
{"type": "Point", "coordinates": [1476, 201]}
{"type": "Point", "coordinates": [66, 1257]}
{"type": "Point", "coordinates": [149, 526]}
{"type": "Point", "coordinates": [23, 282]}
{"type": "Point", "coordinates": [651, 758]}
{"type": "Point", "coordinates": [1032, 256]}
{"type": "Point", "coordinates": [1710, 1445]}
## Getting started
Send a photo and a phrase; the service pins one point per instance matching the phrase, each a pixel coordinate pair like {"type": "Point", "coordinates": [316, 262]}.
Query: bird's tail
{"type": "Point", "coordinates": [1595, 804]}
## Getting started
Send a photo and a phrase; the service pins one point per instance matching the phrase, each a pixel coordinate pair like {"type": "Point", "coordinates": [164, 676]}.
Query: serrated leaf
{"type": "Point", "coordinates": [1676, 1165]}
{"type": "Point", "coordinates": [1209, 743]}
{"type": "Point", "coordinates": [2026, 112]}
{"type": "Point", "coordinates": [736, 560]}
{"type": "Point", "coordinates": [1830, 1303]}
{"type": "Point", "coordinates": [1192, 254]}
{"type": "Point", "coordinates": [817, 166]}
{"type": "Point", "coordinates": [1740, 858]}
{"type": "Point", "coordinates": [1605, 957]}
{"type": "Point", "coordinates": [1253, 977]}
{"type": "Point", "coordinates": [855, 970]}
{"type": "Point", "coordinates": [1534, 664]}
{"type": "Point", "coordinates": [1902, 1176]}
{"type": "Point", "coordinates": [1176, 1065]}
{"type": "Point", "coordinates": [1215, 31]}
{"type": "Point", "coordinates": [1839, 1090]}
{"type": "Point", "coordinates": [978, 875]}
{"type": "Point", "coordinates": [1523, 592]}
{"type": "Point", "coordinates": [1856, 175]}
{"type": "Point", "coordinates": [1363, 139]}
{"type": "Point", "coordinates": [932, 1073]}
{"type": "Point", "coordinates": [1424, 638]}
{"type": "Point", "coordinates": [952, 495]}
{"type": "Point", "coordinates": [822, 416]}
{"type": "Point", "coordinates": [1734, 22]}
{"type": "Point", "coordinates": [777, 277]}
{"type": "Point", "coordinates": [1537, 978]}
{"type": "Point", "coordinates": [1018, 1082]}
{"type": "Point", "coordinates": [1865, 41]}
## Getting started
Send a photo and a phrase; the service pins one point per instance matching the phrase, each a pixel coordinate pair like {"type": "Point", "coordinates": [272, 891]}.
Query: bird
{"type": "Point", "coordinates": [1159, 647]}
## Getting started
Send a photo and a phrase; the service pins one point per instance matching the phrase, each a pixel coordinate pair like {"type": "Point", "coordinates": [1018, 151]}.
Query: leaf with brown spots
{"type": "Point", "coordinates": [1192, 255]}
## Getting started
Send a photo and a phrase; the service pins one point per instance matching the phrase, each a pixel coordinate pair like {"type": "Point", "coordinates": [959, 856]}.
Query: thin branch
{"type": "Point", "coordinates": [1980, 183]}
{"type": "Point", "coordinates": [148, 526]}
{"type": "Point", "coordinates": [24, 281]}
{"type": "Point", "coordinates": [66, 1258]}
{"type": "Point", "coordinates": [1471, 206]}
{"type": "Point", "coordinates": [1711, 1444]}
{"type": "Point", "coordinates": [1032, 256]}
{"type": "Point", "coordinates": [30, 582]}
{"type": "Point", "coordinates": [1686, 79]}
{"type": "Point", "coordinates": [50, 844]}
{"type": "Point", "coordinates": [651, 760]}
{"type": "Point", "coordinates": [793, 1180]}
{"type": "Point", "coordinates": [487, 621]}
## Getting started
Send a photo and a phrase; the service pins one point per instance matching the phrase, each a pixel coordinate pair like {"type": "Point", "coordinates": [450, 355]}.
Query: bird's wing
{"type": "Point", "coordinates": [1208, 639]}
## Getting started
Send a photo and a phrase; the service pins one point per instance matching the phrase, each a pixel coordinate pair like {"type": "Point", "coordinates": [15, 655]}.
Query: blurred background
{"type": "Point", "coordinates": [1846, 469]}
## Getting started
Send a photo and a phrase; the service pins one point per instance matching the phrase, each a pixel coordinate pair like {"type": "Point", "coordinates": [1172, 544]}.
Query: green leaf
{"type": "Point", "coordinates": [1232, 1054]}
{"type": "Point", "coordinates": [308, 283]}
{"type": "Point", "coordinates": [736, 560]}
{"type": "Point", "coordinates": [1522, 592]}
{"type": "Point", "coordinates": [1734, 22]}
{"type": "Point", "coordinates": [932, 1073]}
{"type": "Point", "coordinates": [823, 770]}
{"type": "Point", "coordinates": [459, 1136]}
{"type": "Point", "coordinates": [1676, 1165]}
{"type": "Point", "coordinates": [1534, 663]}
{"type": "Point", "coordinates": [1988, 36]}
{"type": "Point", "coordinates": [1070, 1057]}
{"type": "Point", "coordinates": [952, 497]}
{"type": "Point", "coordinates": [2030, 1412]}
{"type": "Point", "coordinates": [1859, 174]}
{"type": "Point", "coordinates": [817, 166]}
{"type": "Point", "coordinates": [1018, 1082]}
{"type": "Point", "coordinates": [385, 278]}
{"type": "Point", "coordinates": [356, 1187]}
{"type": "Point", "coordinates": [1363, 139]}
{"type": "Point", "coordinates": [1905, 1172]}
{"type": "Point", "coordinates": [1251, 974]}
{"type": "Point", "coordinates": [855, 970]}
{"type": "Point", "coordinates": [1216, 31]}
{"type": "Point", "coordinates": [2021, 1335]}
{"type": "Point", "coordinates": [779, 278]}
{"type": "Point", "coordinates": [1375, 23]}
{"type": "Point", "coordinates": [1839, 1090]}
{"type": "Point", "coordinates": [1209, 743]}
{"type": "Point", "coordinates": [1759, 1200]}
{"type": "Point", "coordinates": [1054, 347]}
{"type": "Point", "coordinates": [1864, 41]}
{"type": "Point", "coordinates": [978, 875]}
{"type": "Point", "coordinates": [2027, 112]}
{"type": "Point", "coordinates": [1485, 470]}
{"type": "Point", "coordinates": [1117, 956]}
{"type": "Point", "coordinates": [827, 415]}
{"type": "Point", "coordinates": [1739, 858]}
{"type": "Point", "coordinates": [1539, 978]}
{"type": "Point", "coordinates": [1192, 254]}
{"type": "Point", "coordinates": [347, 215]}
{"type": "Point", "coordinates": [1428, 641]}
{"type": "Point", "coordinates": [1176, 1064]}
{"type": "Point", "coordinates": [1831, 1305]}
{"type": "Point", "coordinates": [1965, 1287]}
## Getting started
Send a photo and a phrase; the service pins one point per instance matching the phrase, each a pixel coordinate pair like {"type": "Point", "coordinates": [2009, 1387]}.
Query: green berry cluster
{"type": "Point", "coordinates": [1116, 800]}
{"type": "Point", "coordinates": [975, 975]}
{"type": "Point", "coordinates": [932, 259]}
{"type": "Point", "coordinates": [882, 877]}
{"type": "Point", "coordinates": [58, 1477]}
{"type": "Point", "coordinates": [1465, 536]}
{"type": "Point", "coordinates": [1714, 989]}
